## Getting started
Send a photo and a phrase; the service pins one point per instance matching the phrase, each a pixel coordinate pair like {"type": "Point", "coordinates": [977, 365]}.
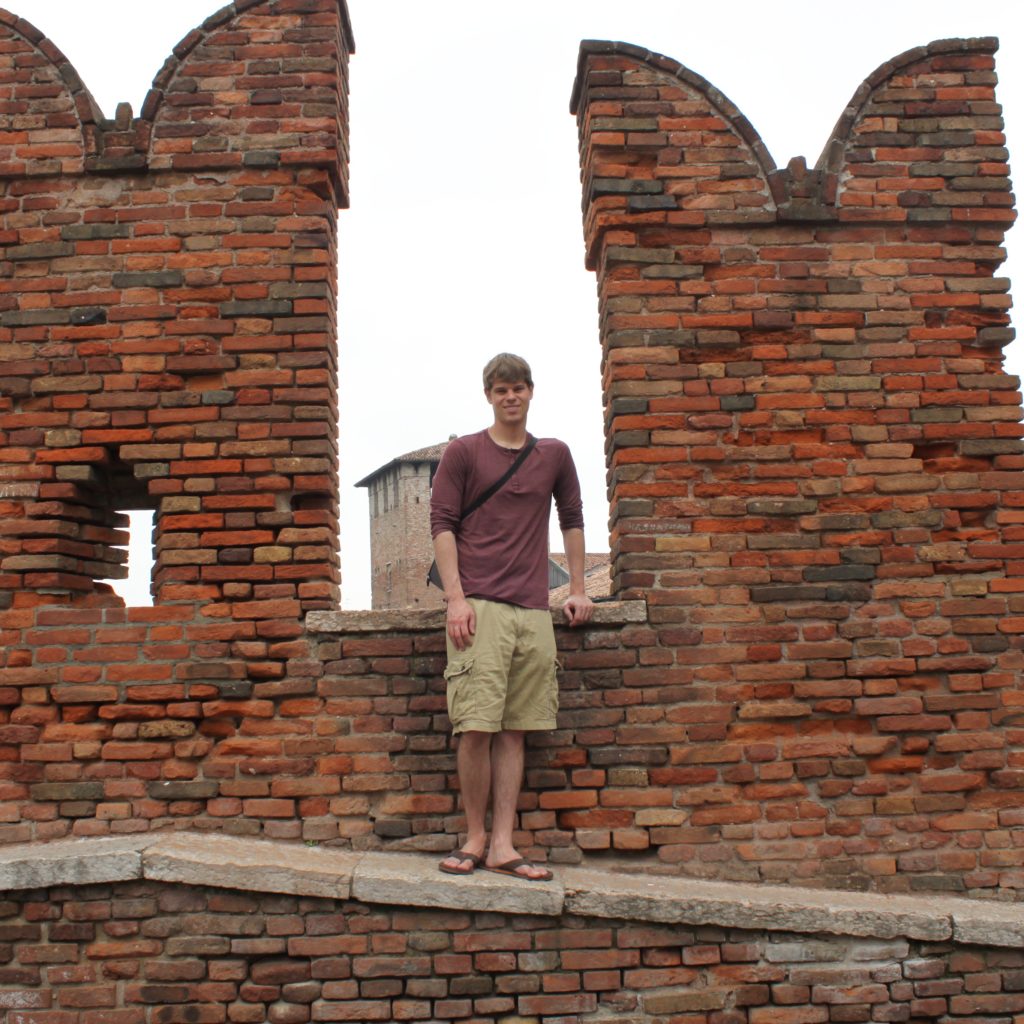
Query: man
{"type": "Point", "coordinates": [501, 644]}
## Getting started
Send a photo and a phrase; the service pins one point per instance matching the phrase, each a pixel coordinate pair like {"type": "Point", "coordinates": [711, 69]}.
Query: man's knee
{"type": "Point", "coordinates": [474, 740]}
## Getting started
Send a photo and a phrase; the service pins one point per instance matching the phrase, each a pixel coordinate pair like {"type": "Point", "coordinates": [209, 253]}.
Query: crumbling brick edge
{"type": "Point", "coordinates": [259, 865]}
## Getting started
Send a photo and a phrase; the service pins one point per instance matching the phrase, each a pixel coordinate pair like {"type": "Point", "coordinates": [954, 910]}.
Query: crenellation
{"type": "Point", "coordinates": [809, 674]}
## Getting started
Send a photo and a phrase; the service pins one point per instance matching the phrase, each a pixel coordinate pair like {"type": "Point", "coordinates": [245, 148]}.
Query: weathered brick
{"type": "Point", "coordinates": [815, 486]}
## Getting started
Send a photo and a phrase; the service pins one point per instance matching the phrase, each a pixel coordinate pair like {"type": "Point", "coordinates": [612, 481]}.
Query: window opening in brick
{"type": "Point", "coordinates": [136, 589]}
{"type": "Point", "coordinates": [132, 543]}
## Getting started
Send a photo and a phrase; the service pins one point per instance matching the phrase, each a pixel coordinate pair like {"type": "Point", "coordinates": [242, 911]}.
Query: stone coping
{"type": "Point", "coordinates": [412, 880]}
{"type": "Point", "coordinates": [606, 613]}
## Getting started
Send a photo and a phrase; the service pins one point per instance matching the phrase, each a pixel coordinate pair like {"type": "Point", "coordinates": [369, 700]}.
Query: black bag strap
{"type": "Point", "coordinates": [498, 484]}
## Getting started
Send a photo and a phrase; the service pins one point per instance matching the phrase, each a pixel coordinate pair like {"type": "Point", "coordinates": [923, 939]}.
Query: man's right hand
{"type": "Point", "coordinates": [461, 622]}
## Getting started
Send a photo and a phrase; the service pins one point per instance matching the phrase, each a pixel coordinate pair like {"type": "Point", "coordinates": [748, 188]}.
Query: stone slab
{"type": "Point", "coordinates": [257, 865]}
{"type": "Point", "coordinates": [988, 924]}
{"type": "Point", "coordinates": [606, 613]}
{"type": "Point", "coordinates": [73, 862]}
{"type": "Point", "coordinates": [413, 880]}
{"type": "Point", "coordinates": [735, 905]}
{"type": "Point", "coordinates": [613, 613]}
{"type": "Point", "coordinates": [411, 619]}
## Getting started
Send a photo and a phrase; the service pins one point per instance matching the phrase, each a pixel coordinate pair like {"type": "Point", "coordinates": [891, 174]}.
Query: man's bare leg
{"type": "Point", "coordinates": [507, 780]}
{"type": "Point", "coordinates": [474, 766]}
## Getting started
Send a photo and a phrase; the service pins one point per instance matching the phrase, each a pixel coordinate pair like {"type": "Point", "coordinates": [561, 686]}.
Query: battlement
{"type": "Point", "coordinates": [809, 679]}
{"type": "Point", "coordinates": [167, 325]}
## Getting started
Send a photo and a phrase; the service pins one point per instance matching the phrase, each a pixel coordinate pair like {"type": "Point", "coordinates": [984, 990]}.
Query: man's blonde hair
{"type": "Point", "coordinates": [508, 367]}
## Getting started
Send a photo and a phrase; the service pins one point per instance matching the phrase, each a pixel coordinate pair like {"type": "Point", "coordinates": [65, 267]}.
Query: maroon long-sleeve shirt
{"type": "Point", "coordinates": [503, 545]}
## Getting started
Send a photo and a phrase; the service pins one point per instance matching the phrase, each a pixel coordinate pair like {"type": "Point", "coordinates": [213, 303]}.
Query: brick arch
{"type": "Point", "coordinates": [39, 83]}
{"type": "Point", "coordinates": [879, 126]}
{"type": "Point", "coordinates": [691, 151]}
{"type": "Point", "coordinates": [279, 53]}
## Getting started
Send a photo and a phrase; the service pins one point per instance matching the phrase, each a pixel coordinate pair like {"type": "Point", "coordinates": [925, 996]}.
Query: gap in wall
{"type": "Point", "coordinates": [136, 590]}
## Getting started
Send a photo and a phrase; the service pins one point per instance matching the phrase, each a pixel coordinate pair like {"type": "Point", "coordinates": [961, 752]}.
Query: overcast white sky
{"type": "Point", "coordinates": [464, 237]}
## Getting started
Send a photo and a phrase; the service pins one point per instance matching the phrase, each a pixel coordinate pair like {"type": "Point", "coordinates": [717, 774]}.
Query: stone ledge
{"type": "Point", "coordinates": [412, 880]}
{"type": "Point", "coordinates": [412, 620]}
{"type": "Point", "coordinates": [983, 924]}
{"type": "Point", "coordinates": [749, 905]}
{"type": "Point", "coordinates": [252, 864]}
{"type": "Point", "coordinates": [74, 861]}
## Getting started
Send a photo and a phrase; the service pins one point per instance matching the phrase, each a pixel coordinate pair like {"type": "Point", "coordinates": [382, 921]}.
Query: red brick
{"type": "Point", "coordinates": [814, 476]}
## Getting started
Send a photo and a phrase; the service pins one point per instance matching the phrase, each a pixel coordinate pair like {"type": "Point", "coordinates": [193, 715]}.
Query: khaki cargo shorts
{"type": "Point", "coordinates": [506, 678]}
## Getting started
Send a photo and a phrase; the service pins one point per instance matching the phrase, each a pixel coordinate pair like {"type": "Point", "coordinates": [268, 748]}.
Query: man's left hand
{"type": "Point", "coordinates": [578, 609]}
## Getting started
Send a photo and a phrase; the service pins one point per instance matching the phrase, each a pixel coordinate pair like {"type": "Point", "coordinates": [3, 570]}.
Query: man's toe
{"type": "Point", "coordinates": [459, 863]}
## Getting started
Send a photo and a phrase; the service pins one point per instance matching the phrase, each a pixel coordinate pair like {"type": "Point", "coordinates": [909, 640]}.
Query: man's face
{"type": "Point", "coordinates": [510, 401]}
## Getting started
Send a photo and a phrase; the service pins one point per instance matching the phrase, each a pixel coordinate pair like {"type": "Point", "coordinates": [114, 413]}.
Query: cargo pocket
{"type": "Point", "coordinates": [546, 702]}
{"type": "Point", "coordinates": [458, 675]}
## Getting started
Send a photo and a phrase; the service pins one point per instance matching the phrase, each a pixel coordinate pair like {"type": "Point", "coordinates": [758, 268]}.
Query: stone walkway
{"type": "Point", "coordinates": [409, 879]}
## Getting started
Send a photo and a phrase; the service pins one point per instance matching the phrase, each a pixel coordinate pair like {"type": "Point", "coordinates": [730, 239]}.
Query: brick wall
{"type": "Point", "coordinates": [143, 951]}
{"type": "Point", "coordinates": [814, 459]}
{"type": "Point", "coordinates": [815, 475]}
{"type": "Point", "coordinates": [168, 320]}
{"type": "Point", "coordinates": [168, 340]}
{"type": "Point", "coordinates": [814, 464]}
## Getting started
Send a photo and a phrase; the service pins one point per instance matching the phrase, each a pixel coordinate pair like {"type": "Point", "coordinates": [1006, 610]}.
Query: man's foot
{"type": "Point", "coordinates": [520, 867]}
{"type": "Point", "coordinates": [461, 862]}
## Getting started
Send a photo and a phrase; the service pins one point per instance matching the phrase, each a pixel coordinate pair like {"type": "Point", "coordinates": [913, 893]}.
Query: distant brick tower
{"type": "Point", "coordinates": [400, 546]}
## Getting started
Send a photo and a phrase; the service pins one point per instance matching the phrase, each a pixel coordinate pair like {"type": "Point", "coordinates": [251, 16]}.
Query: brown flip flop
{"type": "Point", "coordinates": [464, 858]}
{"type": "Point", "coordinates": [509, 868]}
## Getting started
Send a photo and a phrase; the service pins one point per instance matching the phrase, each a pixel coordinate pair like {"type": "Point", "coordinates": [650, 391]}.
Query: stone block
{"type": "Point", "coordinates": [412, 880]}
{"type": "Point", "coordinates": [782, 908]}
{"type": "Point", "coordinates": [987, 924]}
{"type": "Point", "coordinates": [258, 866]}
{"type": "Point", "coordinates": [72, 862]}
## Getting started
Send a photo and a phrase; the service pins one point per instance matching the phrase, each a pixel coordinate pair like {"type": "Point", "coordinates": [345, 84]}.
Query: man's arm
{"type": "Point", "coordinates": [445, 516]}
{"type": "Point", "coordinates": [578, 608]}
{"type": "Point", "coordinates": [461, 620]}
